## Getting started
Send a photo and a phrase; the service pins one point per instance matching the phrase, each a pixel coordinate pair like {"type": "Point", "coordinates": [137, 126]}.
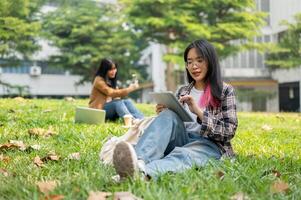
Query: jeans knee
{"type": "Point", "coordinates": [169, 114]}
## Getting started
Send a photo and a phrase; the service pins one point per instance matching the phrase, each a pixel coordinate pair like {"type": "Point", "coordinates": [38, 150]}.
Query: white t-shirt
{"type": "Point", "coordinates": [193, 126]}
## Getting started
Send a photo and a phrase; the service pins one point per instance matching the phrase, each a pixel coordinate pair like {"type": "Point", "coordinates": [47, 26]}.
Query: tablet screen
{"type": "Point", "coordinates": [169, 100]}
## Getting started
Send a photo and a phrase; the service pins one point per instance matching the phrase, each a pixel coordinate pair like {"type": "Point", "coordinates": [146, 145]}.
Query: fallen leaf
{"type": "Point", "coordinates": [51, 156]}
{"type": "Point", "coordinates": [280, 117]}
{"type": "Point", "coordinates": [20, 99]}
{"type": "Point", "coordinates": [220, 175]}
{"type": "Point", "coordinates": [13, 144]}
{"type": "Point", "coordinates": [74, 156]}
{"type": "Point", "coordinates": [54, 197]}
{"type": "Point", "coordinates": [5, 159]}
{"type": "Point", "coordinates": [98, 195]}
{"type": "Point", "coordinates": [240, 196]}
{"type": "Point", "coordinates": [41, 132]}
{"type": "Point", "coordinates": [279, 186]}
{"type": "Point", "coordinates": [11, 111]}
{"type": "Point", "coordinates": [35, 147]}
{"type": "Point", "coordinates": [70, 99]}
{"type": "Point", "coordinates": [266, 127]}
{"type": "Point", "coordinates": [38, 162]}
{"type": "Point", "coordinates": [125, 196]}
{"type": "Point", "coordinates": [4, 172]}
{"type": "Point", "coordinates": [46, 186]}
{"type": "Point", "coordinates": [19, 144]}
{"type": "Point", "coordinates": [273, 171]}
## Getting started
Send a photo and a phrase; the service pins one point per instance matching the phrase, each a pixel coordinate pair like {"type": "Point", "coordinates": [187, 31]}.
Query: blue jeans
{"type": "Point", "coordinates": [166, 146]}
{"type": "Point", "coordinates": [120, 107]}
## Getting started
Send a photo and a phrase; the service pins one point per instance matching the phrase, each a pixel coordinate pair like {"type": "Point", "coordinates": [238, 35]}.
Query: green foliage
{"type": "Point", "coordinates": [250, 94]}
{"type": "Point", "coordinates": [18, 30]}
{"type": "Point", "coordinates": [177, 23]}
{"type": "Point", "coordinates": [287, 53]}
{"type": "Point", "coordinates": [87, 31]}
{"type": "Point", "coordinates": [259, 153]}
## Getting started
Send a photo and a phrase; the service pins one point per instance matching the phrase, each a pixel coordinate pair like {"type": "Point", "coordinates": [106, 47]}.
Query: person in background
{"type": "Point", "coordinates": [169, 144]}
{"type": "Point", "coordinates": [105, 94]}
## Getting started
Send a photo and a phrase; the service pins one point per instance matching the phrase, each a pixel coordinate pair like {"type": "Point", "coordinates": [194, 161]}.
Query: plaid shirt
{"type": "Point", "coordinates": [218, 124]}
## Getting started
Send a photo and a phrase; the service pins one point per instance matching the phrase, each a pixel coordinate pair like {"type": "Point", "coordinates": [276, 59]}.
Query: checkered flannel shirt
{"type": "Point", "coordinates": [218, 124]}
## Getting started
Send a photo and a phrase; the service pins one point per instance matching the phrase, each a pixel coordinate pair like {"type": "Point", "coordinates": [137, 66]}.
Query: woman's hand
{"type": "Point", "coordinates": [193, 106]}
{"type": "Point", "coordinates": [133, 87]}
{"type": "Point", "coordinates": [160, 108]}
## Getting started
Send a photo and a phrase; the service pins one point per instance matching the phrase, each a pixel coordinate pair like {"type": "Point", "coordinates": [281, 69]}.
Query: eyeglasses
{"type": "Point", "coordinates": [191, 63]}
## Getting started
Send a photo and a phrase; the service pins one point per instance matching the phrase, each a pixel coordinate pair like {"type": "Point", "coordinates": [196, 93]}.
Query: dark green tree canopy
{"type": "Point", "coordinates": [18, 27]}
{"type": "Point", "coordinates": [287, 53]}
{"type": "Point", "coordinates": [177, 23]}
{"type": "Point", "coordinates": [87, 31]}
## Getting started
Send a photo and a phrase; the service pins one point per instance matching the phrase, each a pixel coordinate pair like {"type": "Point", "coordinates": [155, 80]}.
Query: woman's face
{"type": "Point", "coordinates": [196, 65]}
{"type": "Point", "coordinates": [112, 72]}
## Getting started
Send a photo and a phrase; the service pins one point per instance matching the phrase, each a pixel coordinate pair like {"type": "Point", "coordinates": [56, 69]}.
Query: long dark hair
{"type": "Point", "coordinates": [104, 67]}
{"type": "Point", "coordinates": [213, 80]}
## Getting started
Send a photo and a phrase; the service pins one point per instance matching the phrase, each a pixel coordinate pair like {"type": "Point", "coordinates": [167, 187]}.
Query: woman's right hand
{"type": "Point", "coordinates": [160, 108]}
{"type": "Point", "coordinates": [133, 87]}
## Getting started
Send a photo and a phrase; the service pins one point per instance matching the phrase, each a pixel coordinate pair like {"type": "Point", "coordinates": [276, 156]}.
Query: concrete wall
{"type": "Point", "coordinates": [47, 85]}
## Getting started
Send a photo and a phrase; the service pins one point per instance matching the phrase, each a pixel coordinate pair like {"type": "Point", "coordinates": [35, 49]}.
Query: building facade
{"type": "Point", "coordinates": [258, 87]}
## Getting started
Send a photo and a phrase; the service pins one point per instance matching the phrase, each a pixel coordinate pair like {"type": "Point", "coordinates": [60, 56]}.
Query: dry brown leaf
{"type": "Point", "coordinates": [41, 132]}
{"type": "Point", "coordinates": [220, 175]}
{"type": "Point", "coordinates": [20, 99]}
{"type": "Point", "coordinates": [69, 99]}
{"type": "Point", "coordinates": [51, 156]}
{"type": "Point", "coordinates": [74, 156]}
{"type": "Point", "coordinates": [47, 110]}
{"type": "Point", "coordinates": [4, 172]}
{"type": "Point", "coordinates": [19, 144]}
{"type": "Point", "coordinates": [11, 111]}
{"type": "Point", "coordinates": [273, 171]}
{"type": "Point", "coordinates": [239, 196]}
{"type": "Point", "coordinates": [35, 147]}
{"type": "Point", "coordinates": [54, 197]}
{"type": "Point", "coordinates": [125, 196]}
{"type": "Point", "coordinates": [98, 195]}
{"type": "Point", "coordinates": [13, 144]}
{"type": "Point", "coordinates": [279, 186]}
{"type": "Point", "coordinates": [5, 159]}
{"type": "Point", "coordinates": [46, 186]}
{"type": "Point", "coordinates": [38, 162]}
{"type": "Point", "coordinates": [280, 117]}
{"type": "Point", "coordinates": [266, 127]}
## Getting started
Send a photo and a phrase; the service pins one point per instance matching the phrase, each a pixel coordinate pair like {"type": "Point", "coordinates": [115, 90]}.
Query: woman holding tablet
{"type": "Point", "coordinates": [169, 144]}
{"type": "Point", "coordinates": [105, 94]}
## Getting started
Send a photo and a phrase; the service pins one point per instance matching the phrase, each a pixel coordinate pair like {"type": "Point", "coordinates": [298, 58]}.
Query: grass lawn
{"type": "Point", "coordinates": [268, 165]}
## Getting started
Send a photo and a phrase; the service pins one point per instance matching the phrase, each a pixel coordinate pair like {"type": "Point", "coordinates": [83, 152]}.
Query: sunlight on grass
{"type": "Point", "coordinates": [265, 143]}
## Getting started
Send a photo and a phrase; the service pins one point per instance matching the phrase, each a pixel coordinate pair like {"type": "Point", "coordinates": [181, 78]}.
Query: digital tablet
{"type": "Point", "coordinates": [171, 102]}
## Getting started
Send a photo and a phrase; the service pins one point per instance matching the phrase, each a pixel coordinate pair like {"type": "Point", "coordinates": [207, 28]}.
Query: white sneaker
{"type": "Point", "coordinates": [125, 160]}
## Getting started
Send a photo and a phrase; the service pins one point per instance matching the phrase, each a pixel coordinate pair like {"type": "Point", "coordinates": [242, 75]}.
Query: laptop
{"type": "Point", "coordinates": [89, 115]}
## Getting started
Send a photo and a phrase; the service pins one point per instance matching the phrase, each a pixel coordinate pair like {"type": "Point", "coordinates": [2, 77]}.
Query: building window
{"type": "Point", "coordinates": [264, 6]}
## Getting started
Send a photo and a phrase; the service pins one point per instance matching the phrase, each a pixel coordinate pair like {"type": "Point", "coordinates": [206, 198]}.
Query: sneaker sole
{"type": "Point", "coordinates": [125, 160]}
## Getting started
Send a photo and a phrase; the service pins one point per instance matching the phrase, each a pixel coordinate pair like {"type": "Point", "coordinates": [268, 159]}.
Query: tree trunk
{"type": "Point", "coordinates": [170, 75]}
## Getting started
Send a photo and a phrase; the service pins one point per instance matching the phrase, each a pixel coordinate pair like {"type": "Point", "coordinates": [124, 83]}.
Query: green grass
{"type": "Point", "coordinates": [259, 152]}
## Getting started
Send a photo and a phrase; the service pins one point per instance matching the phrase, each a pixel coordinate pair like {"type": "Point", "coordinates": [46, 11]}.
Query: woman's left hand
{"type": "Point", "coordinates": [193, 106]}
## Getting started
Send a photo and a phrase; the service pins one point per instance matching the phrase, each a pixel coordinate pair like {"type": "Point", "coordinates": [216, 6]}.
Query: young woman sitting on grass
{"type": "Point", "coordinates": [105, 94]}
{"type": "Point", "coordinates": [169, 144]}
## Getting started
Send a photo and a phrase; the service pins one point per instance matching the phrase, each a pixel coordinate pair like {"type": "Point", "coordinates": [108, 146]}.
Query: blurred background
{"type": "Point", "coordinates": [51, 48]}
